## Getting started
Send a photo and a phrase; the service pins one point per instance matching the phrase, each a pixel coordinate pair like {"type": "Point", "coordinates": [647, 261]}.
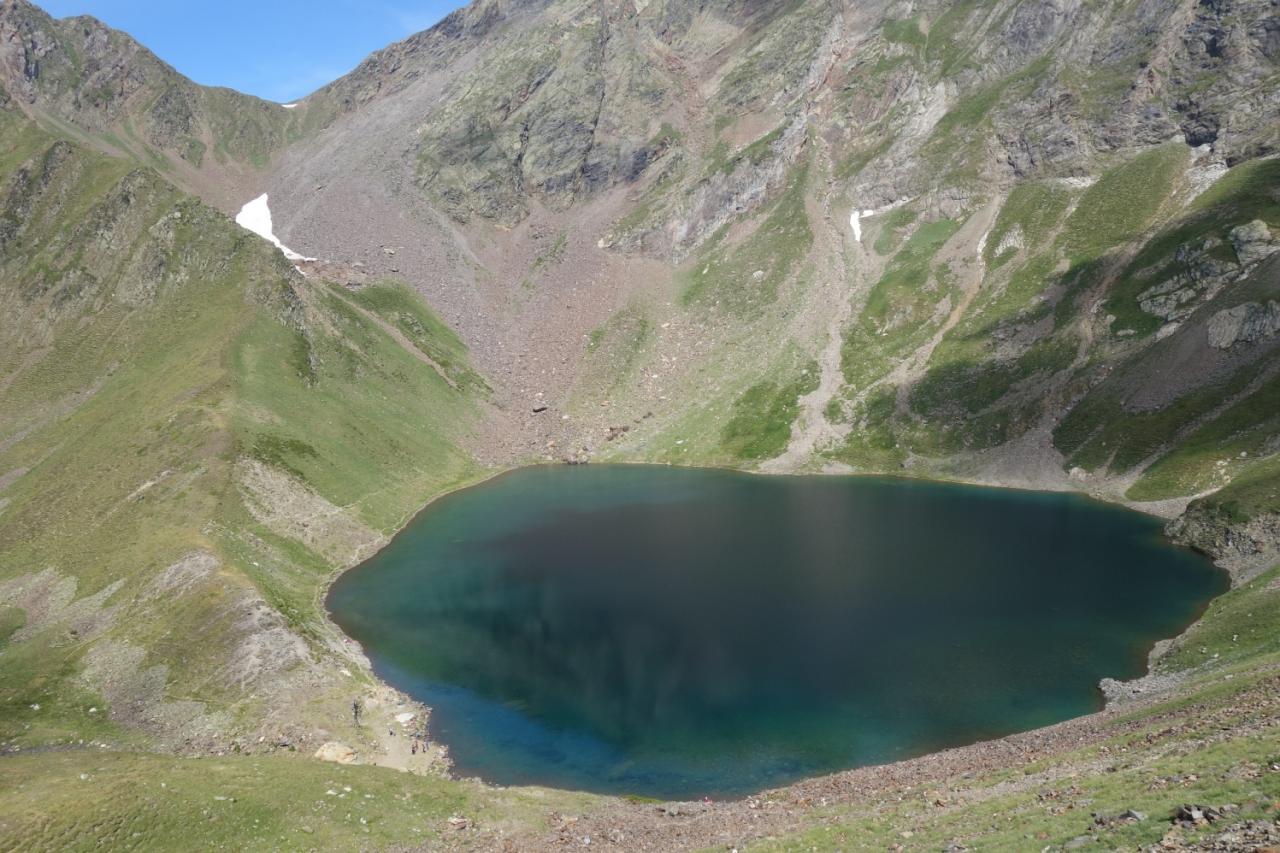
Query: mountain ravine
{"type": "Point", "coordinates": [1029, 243]}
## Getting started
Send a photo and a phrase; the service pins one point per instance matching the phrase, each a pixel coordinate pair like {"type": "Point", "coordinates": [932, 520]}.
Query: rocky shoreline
{"type": "Point", "coordinates": [388, 749]}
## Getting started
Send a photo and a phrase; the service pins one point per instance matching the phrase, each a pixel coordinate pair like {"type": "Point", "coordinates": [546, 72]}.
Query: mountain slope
{"type": "Point", "coordinates": [940, 229]}
{"type": "Point", "coordinates": [923, 386]}
{"type": "Point", "coordinates": [1031, 244]}
{"type": "Point", "coordinates": [175, 454]}
{"type": "Point", "coordinates": [79, 77]}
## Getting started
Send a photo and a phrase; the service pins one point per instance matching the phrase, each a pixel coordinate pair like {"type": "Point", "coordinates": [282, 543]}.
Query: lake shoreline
{"type": "Point", "coordinates": [1115, 694]}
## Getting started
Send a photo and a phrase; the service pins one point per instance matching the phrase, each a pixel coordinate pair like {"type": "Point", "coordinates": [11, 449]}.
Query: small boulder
{"type": "Point", "coordinates": [1125, 817]}
{"type": "Point", "coordinates": [1252, 242]}
{"type": "Point", "coordinates": [1192, 816]}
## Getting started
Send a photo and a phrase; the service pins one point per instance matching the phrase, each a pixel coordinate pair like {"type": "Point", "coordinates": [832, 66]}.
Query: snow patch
{"type": "Point", "coordinates": [289, 106]}
{"type": "Point", "coordinates": [856, 216]}
{"type": "Point", "coordinates": [855, 222]}
{"type": "Point", "coordinates": [256, 217]}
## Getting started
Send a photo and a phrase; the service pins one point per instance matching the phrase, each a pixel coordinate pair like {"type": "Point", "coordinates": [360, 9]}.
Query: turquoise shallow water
{"type": "Point", "coordinates": [678, 633]}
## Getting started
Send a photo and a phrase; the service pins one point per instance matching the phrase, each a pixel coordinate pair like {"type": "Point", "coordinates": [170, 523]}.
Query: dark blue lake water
{"type": "Point", "coordinates": [678, 633]}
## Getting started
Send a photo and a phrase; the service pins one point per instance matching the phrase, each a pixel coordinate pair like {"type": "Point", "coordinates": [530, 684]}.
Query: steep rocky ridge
{"type": "Point", "coordinates": [80, 77]}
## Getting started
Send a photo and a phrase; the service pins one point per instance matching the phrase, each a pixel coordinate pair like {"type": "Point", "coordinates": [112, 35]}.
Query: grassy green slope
{"type": "Point", "coordinates": [1036, 342]}
{"type": "Point", "coordinates": [170, 386]}
{"type": "Point", "coordinates": [122, 800]}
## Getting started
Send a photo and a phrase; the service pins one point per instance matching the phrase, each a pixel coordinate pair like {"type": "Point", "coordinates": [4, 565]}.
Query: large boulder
{"type": "Point", "coordinates": [1253, 242]}
{"type": "Point", "coordinates": [1245, 323]}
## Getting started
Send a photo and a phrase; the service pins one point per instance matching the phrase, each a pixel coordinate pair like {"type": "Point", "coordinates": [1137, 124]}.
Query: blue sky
{"type": "Point", "coordinates": [280, 50]}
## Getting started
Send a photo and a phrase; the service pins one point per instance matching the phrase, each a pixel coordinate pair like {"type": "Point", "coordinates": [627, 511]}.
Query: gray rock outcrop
{"type": "Point", "coordinates": [1243, 546]}
{"type": "Point", "coordinates": [1201, 278]}
{"type": "Point", "coordinates": [1253, 242]}
{"type": "Point", "coordinates": [1245, 323]}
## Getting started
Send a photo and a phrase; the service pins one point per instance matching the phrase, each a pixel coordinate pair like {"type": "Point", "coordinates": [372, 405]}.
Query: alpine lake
{"type": "Point", "coordinates": [680, 633]}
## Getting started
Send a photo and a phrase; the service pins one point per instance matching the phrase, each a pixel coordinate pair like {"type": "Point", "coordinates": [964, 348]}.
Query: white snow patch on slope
{"type": "Point", "coordinates": [856, 217]}
{"type": "Point", "coordinates": [289, 106]}
{"type": "Point", "coordinates": [256, 217]}
{"type": "Point", "coordinates": [855, 222]}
